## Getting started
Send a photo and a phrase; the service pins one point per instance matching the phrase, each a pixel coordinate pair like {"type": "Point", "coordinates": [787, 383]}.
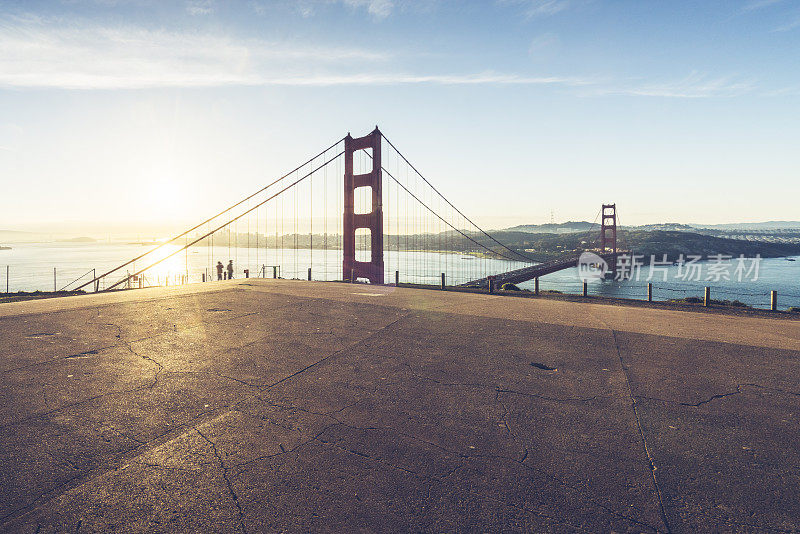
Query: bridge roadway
{"type": "Point", "coordinates": [530, 272]}
{"type": "Point", "coordinates": [269, 405]}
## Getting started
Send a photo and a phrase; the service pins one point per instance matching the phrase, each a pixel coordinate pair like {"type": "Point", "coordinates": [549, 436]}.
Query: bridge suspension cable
{"type": "Point", "coordinates": [524, 257]}
{"type": "Point", "coordinates": [227, 224]}
{"type": "Point", "coordinates": [445, 221]}
{"type": "Point", "coordinates": [192, 229]}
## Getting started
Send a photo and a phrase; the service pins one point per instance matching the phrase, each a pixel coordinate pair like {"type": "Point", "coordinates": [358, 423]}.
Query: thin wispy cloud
{"type": "Point", "coordinates": [377, 8]}
{"type": "Point", "coordinates": [695, 85]}
{"type": "Point", "coordinates": [402, 78]}
{"type": "Point", "coordinates": [791, 25]}
{"type": "Point", "coordinates": [37, 54]}
{"type": "Point", "coordinates": [539, 8]}
{"type": "Point", "coordinates": [200, 7]}
{"type": "Point", "coordinates": [541, 45]}
{"type": "Point", "coordinates": [755, 5]}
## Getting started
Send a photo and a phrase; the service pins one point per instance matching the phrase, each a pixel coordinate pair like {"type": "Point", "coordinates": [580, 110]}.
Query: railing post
{"type": "Point", "coordinates": [55, 285]}
{"type": "Point", "coordinates": [275, 271]}
{"type": "Point", "coordinates": [491, 284]}
{"type": "Point", "coordinates": [309, 274]}
{"type": "Point", "coordinates": [773, 300]}
{"type": "Point", "coordinates": [96, 282]}
{"type": "Point", "coordinates": [443, 284]}
{"type": "Point", "coordinates": [352, 276]}
{"type": "Point", "coordinates": [585, 288]}
{"type": "Point", "coordinates": [397, 278]}
{"type": "Point", "coordinates": [536, 286]}
{"type": "Point", "coordinates": [707, 297]}
{"type": "Point", "coordinates": [649, 292]}
{"type": "Point", "coordinates": [7, 270]}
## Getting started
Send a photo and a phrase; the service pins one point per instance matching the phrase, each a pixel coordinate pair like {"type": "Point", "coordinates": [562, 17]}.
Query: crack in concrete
{"type": "Point", "coordinates": [441, 480]}
{"type": "Point", "coordinates": [720, 395]}
{"type": "Point", "coordinates": [497, 388]}
{"type": "Point", "coordinates": [714, 397]}
{"type": "Point", "coordinates": [334, 354]}
{"type": "Point", "coordinates": [553, 399]}
{"type": "Point", "coordinates": [770, 388]}
{"type": "Point", "coordinates": [225, 476]}
{"type": "Point", "coordinates": [463, 456]}
{"type": "Point", "coordinates": [283, 452]}
{"type": "Point", "coordinates": [72, 482]}
{"type": "Point", "coordinates": [693, 404]}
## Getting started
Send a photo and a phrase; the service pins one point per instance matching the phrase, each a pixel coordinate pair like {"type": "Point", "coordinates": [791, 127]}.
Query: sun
{"type": "Point", "coordinates": [167, 198]}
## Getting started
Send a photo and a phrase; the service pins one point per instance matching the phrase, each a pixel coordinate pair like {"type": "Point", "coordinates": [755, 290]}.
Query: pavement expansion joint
{"type": "Point", "coordinates": [648, 454]}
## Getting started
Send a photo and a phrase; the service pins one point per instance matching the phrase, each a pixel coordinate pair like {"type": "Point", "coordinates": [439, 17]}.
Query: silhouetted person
{"type": "Point", "coordinates": [230, 269]}
{"type": "Point", "coordinates": [220, 267]}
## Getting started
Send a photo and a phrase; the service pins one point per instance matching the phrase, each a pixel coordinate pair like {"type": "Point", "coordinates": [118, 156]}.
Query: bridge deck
{"type": "Point", "coordinates": [530, 272]}
{"type": "Point", "coordinates": [280, 405]}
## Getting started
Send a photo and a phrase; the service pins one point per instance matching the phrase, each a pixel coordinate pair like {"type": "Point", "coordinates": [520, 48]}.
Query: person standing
{"type": "Point", "coordinates": [220, 267]}
{"type": "Point", "coordinates": [230, 269]}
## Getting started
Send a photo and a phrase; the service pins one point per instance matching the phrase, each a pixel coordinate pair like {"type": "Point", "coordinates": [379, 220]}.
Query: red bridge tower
{"type": "Point", "coordinates": [373, 269]}
{"type": "Point", "coordinates": [608, 235]}
{"type": "Point", "coordinates": [608, 229]}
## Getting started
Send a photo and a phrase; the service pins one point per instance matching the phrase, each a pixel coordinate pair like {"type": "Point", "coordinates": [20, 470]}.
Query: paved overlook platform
{"type": "Point", "coordinates": [269, 405]}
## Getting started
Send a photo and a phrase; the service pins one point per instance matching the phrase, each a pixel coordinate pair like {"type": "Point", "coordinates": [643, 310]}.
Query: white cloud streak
{"type": "Point", "coordinates": [379, 9]}
{"type": "Point", "coordinates": [695, 85]}
{"type": "Point", "coordinates": [755, 5]}
{"type": "Point", "coordinates": [37, 54]}
{"type": "Point", "coordinates": [791, 25]}
{"type": "Point", "coordinates": [539, 8]}
{"type": "Point", "coordinates": [33, 54]}
{"type": "Point", "coordinates": [200, 7]}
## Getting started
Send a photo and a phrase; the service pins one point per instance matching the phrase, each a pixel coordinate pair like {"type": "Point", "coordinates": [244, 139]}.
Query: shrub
{"type": "Point", "coordinates": [510, 287]}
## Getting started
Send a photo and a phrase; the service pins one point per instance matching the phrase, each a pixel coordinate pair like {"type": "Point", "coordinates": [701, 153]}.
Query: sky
{"type": "Point", "coordinates": [148, 112]}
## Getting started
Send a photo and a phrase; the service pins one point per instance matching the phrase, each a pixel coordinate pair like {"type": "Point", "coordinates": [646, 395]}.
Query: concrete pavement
{"type": "Point", "coordinates": [271, 405]}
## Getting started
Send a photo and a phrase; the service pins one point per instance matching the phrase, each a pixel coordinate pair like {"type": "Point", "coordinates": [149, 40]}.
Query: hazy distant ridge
{"type": "Point", "coordinates": [583, 226]}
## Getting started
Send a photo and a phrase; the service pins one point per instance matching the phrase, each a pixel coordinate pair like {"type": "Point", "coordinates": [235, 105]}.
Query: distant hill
{"type": "Point", "coordinates": [542, 246]}
{"type": "Point", "coordinates": [78, 240]}
{"type": "Point", "coordinates": [554, 228]}
{"type": "Point", "coordinates": [16, 236]}
{"type": "Point", "coordinates": [667, 227]}
{"type": "Point", "coordinates": [583, 226]}
{"type": "Point", "coordinates": [767, 225]}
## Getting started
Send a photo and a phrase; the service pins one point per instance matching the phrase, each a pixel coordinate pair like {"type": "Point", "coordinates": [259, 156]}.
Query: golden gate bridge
{"type": "Point", "coordinates": [359, 210]}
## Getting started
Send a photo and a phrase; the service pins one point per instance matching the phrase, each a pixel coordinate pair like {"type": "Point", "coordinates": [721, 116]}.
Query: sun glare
{"type": "Point", "coordinates": [167, 198]}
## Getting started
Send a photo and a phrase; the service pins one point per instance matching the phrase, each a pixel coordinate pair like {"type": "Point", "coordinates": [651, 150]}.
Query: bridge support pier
{"type": "Point", "coordinates": [373, 269]}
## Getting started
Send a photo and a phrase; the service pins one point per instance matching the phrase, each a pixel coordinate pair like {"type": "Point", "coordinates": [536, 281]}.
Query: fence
{"type": "Point", "coordinates": [67, 279]}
